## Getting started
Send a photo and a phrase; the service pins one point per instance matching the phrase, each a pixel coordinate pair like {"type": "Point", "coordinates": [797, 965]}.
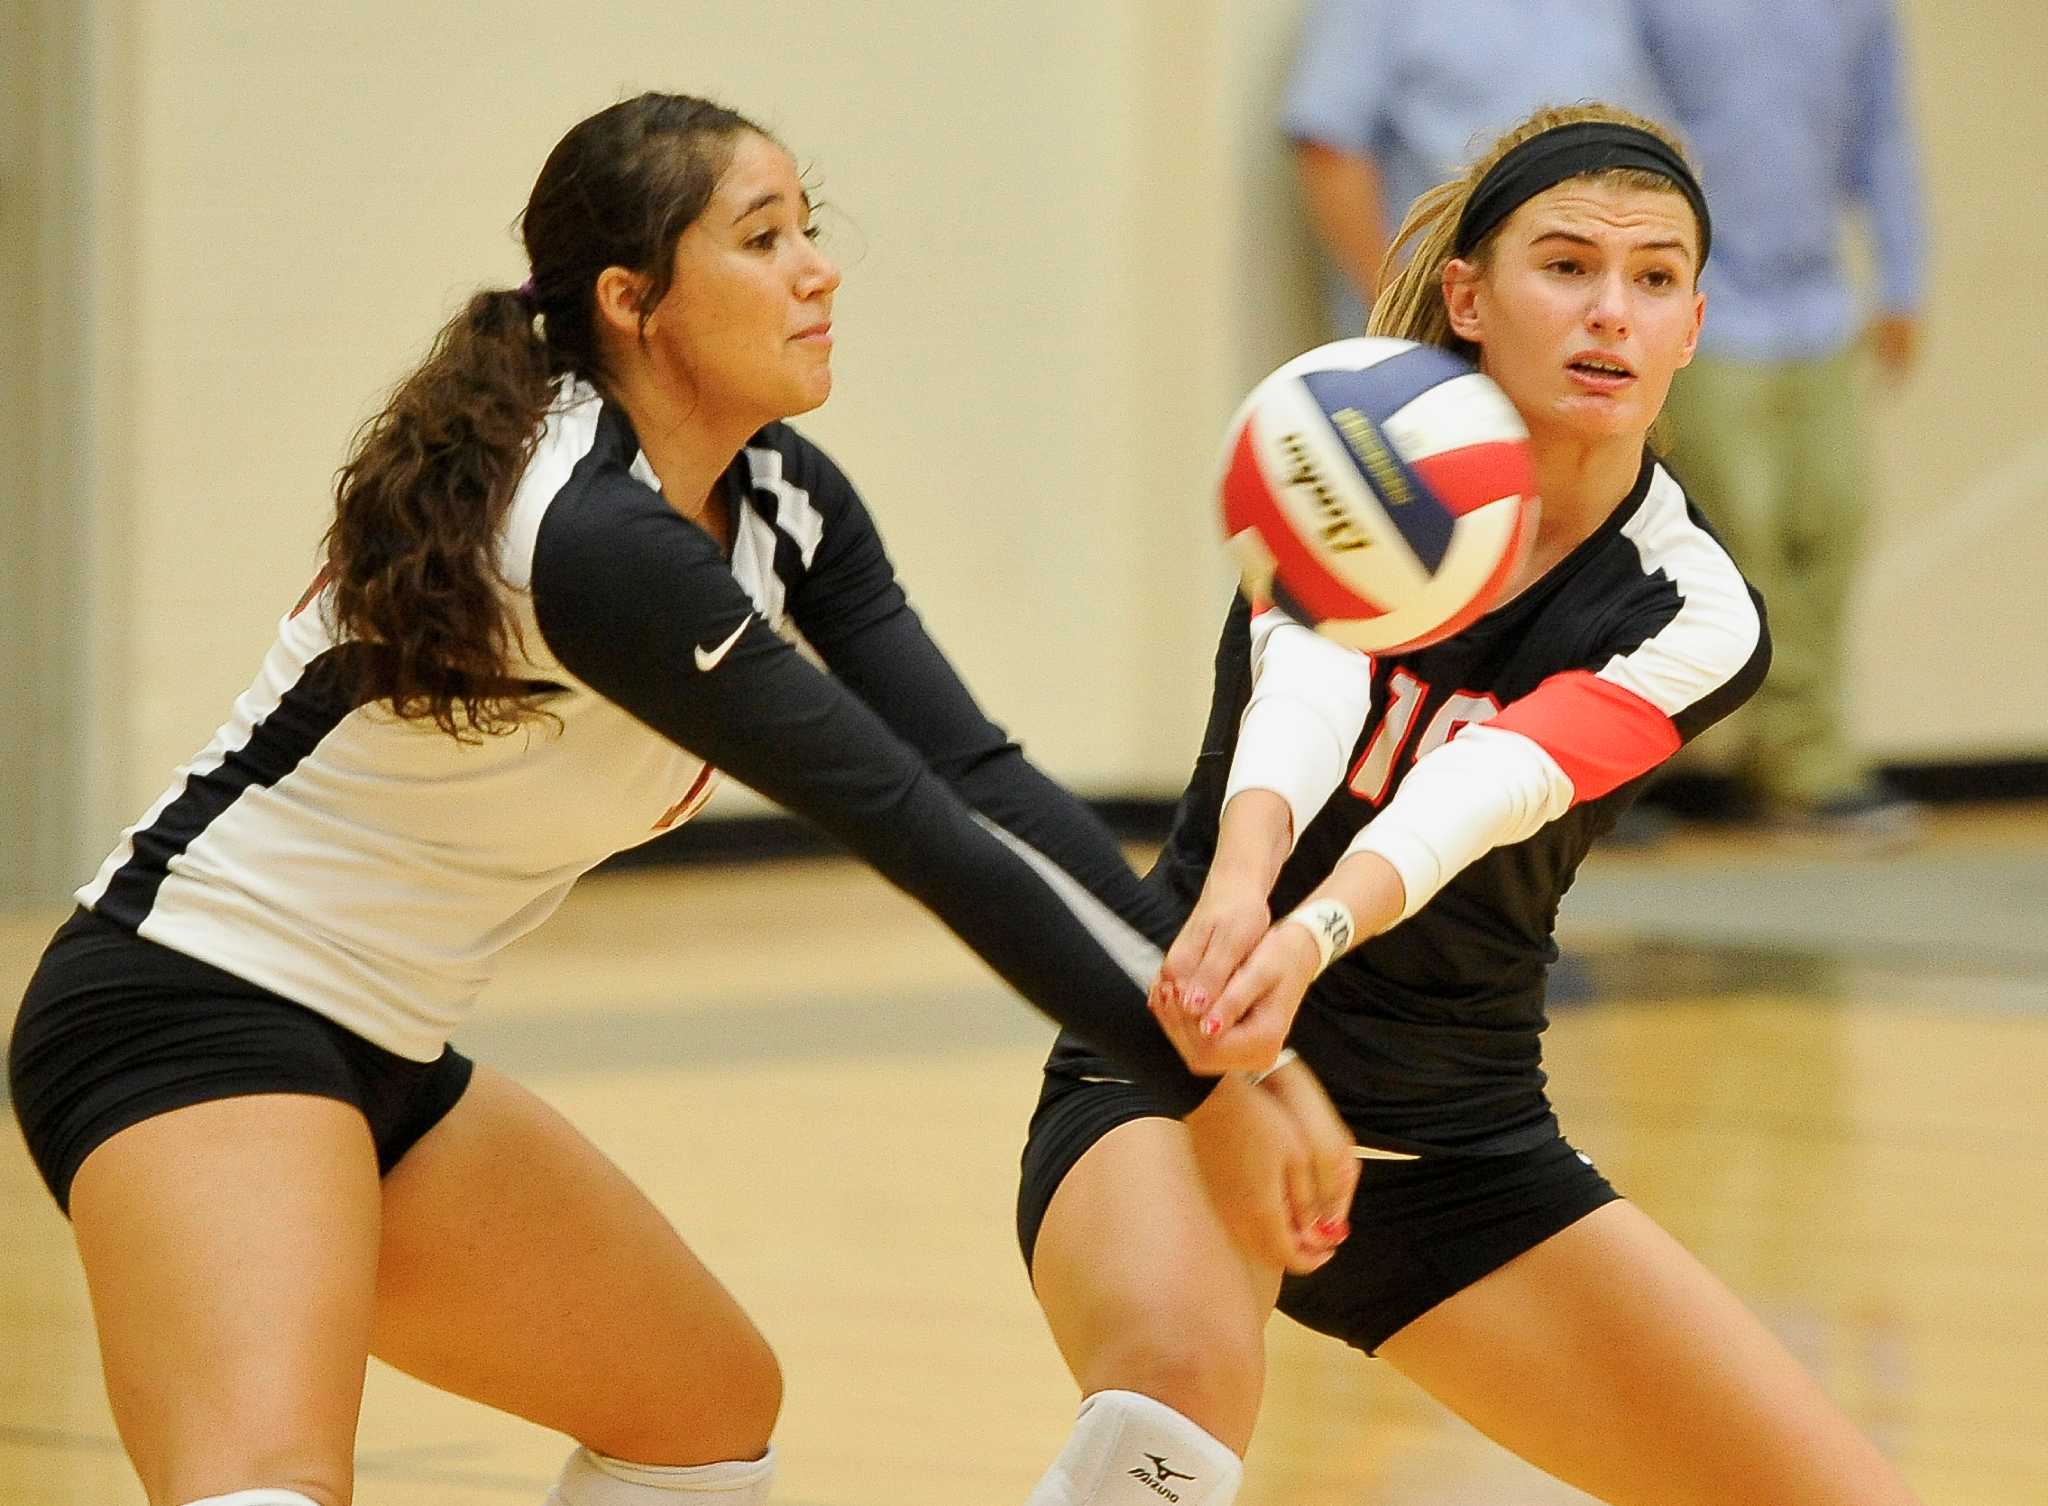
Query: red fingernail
{"type": "Point", "coordinates": [1209, 1028]}
{"type": "Point", "coordinates": [1336, 1230]}
{"type": "Point", "coordinates": [1198, 999]}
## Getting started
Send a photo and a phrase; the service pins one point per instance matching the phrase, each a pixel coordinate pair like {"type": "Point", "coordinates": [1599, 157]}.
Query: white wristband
{"type": "Point", "coordinates": [1329, 922]}
{"type": "Point", "coordinates": [1283, 1059]}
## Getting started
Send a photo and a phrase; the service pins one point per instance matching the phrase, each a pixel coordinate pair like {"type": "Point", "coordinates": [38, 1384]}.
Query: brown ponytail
{"type": "Point", "coordinates": [417, 508]}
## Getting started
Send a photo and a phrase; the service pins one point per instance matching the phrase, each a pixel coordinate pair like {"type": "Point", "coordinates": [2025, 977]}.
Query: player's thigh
{"type": "Point", "coordinates": [521, 1268]}
{"type": "Point", "coordinates": [1610, 1357]}
{"type": "Point", "coordinates": [1144, 1289]}
{"type": "Point", "coordinates": [230, 1249]}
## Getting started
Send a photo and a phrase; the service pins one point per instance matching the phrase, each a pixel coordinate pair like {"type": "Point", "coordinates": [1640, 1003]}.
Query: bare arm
{"type": "Point", "coordinates": [1244, 1021]}
{"type": "Point", "coordinates": [1253, 839]}
{"type": "Point", "coordinates": [1344, 199]}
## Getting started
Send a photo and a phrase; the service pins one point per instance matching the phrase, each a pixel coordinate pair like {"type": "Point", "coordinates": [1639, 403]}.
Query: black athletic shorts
{"type": "Point", "coordinates": [115, 1029]}
{"type": "Point", "coordinates": [1421, 1230]}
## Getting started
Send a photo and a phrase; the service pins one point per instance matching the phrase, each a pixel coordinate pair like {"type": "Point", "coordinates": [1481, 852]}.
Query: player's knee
{"type": "Point", "coordinates": [265, 1466]}
{"type": "Point", "coordinates": [757, 1397]}
{"type": "Point", "coordinates": [255, 1470]}
{"type": "Point", "coordinates": [1207, 1367]}
{"type": "Point", "coordinates": [749, 1400]}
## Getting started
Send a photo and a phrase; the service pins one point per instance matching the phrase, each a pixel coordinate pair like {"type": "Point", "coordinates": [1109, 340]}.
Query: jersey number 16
{"type": "Point", "coordinates": [1373, 775]}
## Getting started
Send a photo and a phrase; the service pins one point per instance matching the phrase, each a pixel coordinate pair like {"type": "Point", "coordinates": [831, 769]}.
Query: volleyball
{"type": "Point", "coordinates": [1378, 490]}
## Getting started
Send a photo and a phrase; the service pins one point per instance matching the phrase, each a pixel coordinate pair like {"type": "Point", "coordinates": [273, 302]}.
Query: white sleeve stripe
{"type": "Point", "coordinates": [1127, 946]}
{"type": "Point", "coordinates": [1716, 629]}
{"type": "Point", "coordinates": [1485, 788]}
{"type": "Point", "coordinates": [1308, 704]}
{"type": "Point", "coordinates": [568, 432]}
{"type": "Point", "coordinates": [753, 559]}
{"type": "Point", "coordinates": [794, 514]}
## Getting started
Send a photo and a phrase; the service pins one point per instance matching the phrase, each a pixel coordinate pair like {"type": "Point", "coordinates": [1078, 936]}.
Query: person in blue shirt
{"type": "Point", "coordinates": [1390, 97]}
{"type": "Point", "coordinates": [1795, 110]}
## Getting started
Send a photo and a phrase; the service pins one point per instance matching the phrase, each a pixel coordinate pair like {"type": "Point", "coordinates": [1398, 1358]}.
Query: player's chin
{"type": "Point", "coordinates": [1590, 417]}
{"type": "Point", "coordinates": [808, 392]}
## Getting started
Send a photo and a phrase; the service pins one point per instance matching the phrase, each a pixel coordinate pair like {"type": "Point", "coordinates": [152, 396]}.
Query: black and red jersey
{"type": "Point", "coordinates": [1428, 1035]}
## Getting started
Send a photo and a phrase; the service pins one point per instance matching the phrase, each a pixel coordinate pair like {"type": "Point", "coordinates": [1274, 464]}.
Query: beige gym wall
{"type": "Point", "coordinates": [315, 191]}
{"type": "Point", "coordinates": [20, 610]}
{"type": "Point", "coordinates": [1075, 246]}
{"type": "Point", "coordinates": [1950, 639]}
{"type": "Point", "coordinates": [60, 143]}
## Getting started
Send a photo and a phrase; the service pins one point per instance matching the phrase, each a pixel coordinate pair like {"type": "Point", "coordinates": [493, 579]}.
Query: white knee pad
{"type": "Point", "coordinates": [1129, 1450]}
{"type": "Point", "coordinates": [591, 1479]}
{"type": "Point", "coordinates": [258, 1498]}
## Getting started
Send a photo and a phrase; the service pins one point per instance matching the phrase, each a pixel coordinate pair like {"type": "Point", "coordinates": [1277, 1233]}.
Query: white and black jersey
{"type": "Point", "coordinates": [372, 868]}
{"type": "Point", "coordinates": [1542, 718]}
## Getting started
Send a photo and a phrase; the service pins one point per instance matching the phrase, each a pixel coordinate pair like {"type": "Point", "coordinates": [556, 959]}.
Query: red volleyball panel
{"type": "Point", "coordinates": [1477, 474]}
{"type": "Point", "coordinates": [1248, 502]}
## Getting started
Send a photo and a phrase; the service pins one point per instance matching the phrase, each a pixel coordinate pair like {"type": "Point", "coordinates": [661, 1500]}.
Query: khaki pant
{"type": "Point", "coordinates": [1773, 455]}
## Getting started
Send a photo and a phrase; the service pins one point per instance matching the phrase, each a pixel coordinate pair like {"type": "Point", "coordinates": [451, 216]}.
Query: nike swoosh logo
{"type": "Point", "coordinates": [708, 658]}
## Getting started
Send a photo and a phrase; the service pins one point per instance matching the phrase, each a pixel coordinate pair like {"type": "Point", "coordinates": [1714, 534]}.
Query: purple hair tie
{"type": "Point", "coordinates": [525, 290]}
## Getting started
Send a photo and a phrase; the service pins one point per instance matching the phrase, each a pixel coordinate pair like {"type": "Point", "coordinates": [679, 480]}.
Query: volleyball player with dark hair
{"type": "Point", "coordinates": [566, 561]}
{"type": "Point", "coordinates": [1417, 860]}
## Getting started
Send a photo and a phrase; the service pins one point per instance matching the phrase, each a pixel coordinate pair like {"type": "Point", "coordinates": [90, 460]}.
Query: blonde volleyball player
{"type": "Point", "coordinates": [1414, 820]}
{"type": "Point", "coordinates": [562, 567]}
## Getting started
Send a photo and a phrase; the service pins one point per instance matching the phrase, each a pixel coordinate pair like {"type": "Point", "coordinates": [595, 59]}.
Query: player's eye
{"type": "Point", "coordinates": [763, 240]}
{"type": "Point", "coordinates": [1565, 266]}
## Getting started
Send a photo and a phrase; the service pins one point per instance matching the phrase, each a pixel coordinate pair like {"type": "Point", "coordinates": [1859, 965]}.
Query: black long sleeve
{"type": "Point", "coordinates": [854, 612]}
{"type": "Point", "coordinates": [636, 602]}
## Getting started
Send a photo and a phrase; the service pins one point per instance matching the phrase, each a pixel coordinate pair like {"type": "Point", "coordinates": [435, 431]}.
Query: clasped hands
{"type": "Point", "coordinates": [1273, 1151]}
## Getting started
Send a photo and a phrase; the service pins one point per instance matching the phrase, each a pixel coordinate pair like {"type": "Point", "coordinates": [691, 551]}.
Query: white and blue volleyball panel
{"type": "Point", "coordinates": [1379, 489]}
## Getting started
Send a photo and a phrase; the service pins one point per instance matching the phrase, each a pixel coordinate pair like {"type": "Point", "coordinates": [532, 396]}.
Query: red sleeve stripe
{"type": "Point", "coordinates": [1600, 734]}
{"type": "Point", "coordinates": [320, 582]}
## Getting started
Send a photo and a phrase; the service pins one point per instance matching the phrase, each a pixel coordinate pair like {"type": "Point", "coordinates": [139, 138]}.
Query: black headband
{"type": "Point", "coordinates": [1568, 151]}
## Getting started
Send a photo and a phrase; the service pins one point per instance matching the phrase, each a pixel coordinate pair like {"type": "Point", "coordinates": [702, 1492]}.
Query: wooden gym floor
{"type": "Point", "coordinates": [1825, 1075]}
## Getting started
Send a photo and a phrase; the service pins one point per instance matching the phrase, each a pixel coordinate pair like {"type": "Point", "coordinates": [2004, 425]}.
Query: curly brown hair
{"type": "Point", "coordinates": [412, 552]}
